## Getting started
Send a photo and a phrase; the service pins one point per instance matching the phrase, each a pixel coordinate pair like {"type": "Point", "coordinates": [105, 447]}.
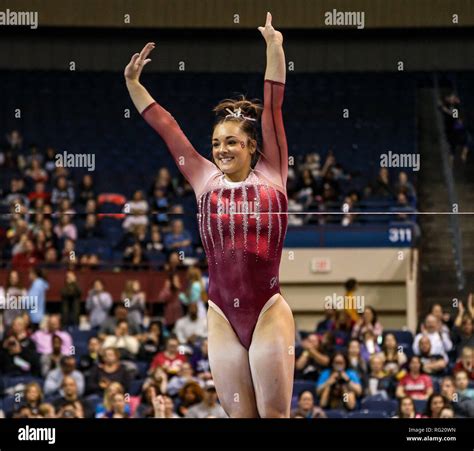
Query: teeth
{"type": "Point", "coordinates": [226, 160]}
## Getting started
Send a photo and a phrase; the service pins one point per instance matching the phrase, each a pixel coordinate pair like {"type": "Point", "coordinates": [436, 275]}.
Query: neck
{"type": "Point", "coordinates": [239, 176]}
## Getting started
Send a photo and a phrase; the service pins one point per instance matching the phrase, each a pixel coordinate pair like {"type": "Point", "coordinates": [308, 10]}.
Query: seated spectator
{"type": "Point", "coordinates": [338, 387]}
{"type": "Point", "coordinates": [134, 257]}
{"type": "Point", "coordinates": [415, 383]}
{"type": "Point", "coordinates": [71, 300]}
{"type": "Point", "coordinates": [405, 186]}
{"type": "Point", "coordinates": [92, 358]}
{"type": "Point", "coordinates": [158, 378]}
{"type": "Point", "coordinates": [146, 408]}
{"type": "Point", "coordinates": [91, 228]}
{"type": "Point", "coordinates": [39, 193]}
{"type": "Point", "coordinates": [119, 407]}
{"type": "Point", "coordinates": [33, 397]}
{"type": "Point", "coordinates": [447, 412]}
{"type": "Point", "coordinates": [62, 191]}
{"type": "Point", "coordinates": [106, 409]}
{"type": "Point", "coordinates": [406, 408]}
{"type": "Point", "coordinates": [369, 345]}
{"type": "Point", "coordinates": [382, 187]}
{"type": "Point", "coordinates": [200, 361]}
{"type": "Point", "coordinates": [367, 322]}
{"type": "Point", "coordinates": [356, 362]}
{"type": "Point", "coordinates": [151, 342]}
{"type": "Point", "coordinates": [379, 382]}
{"type": "Point", "coordinates": [431, 364]}
{"type": "Point", "coordinates": [134, 298]}
{"type": "Point", "coordinates": [16, 360]}
{"type": "Point", "coordinates": [66, 228]}
{"type": "Point", "coordinates": [466, 362]}
{"type": "Point", "coordinates": [155, 245]}
{"type": "Point", "coordinates": [163, 407]}
{"type": "Point", "coordinates": [14, 290]}
{"type": "Point", "coordinates": [191, 328]}
{"type": "Point", "coordinates": [111, 370]}
{"type": "Point", "coordinates": [440, 342]}
{"type": "Point", "coordinates": [25, 256]}
{"type": "Point", "coordinates": [120, 314]}
{"type": "Point", "coordinates": [179, 239]}
{"type": "Point", "coordinates": [170, 360]}
{"type": "Point", "coordinates": [136, 211]}
{"type": "Point", "coordinates": [327, 323]}
{"type": "Point", "coordinates": [98, 304]}
{"type": "Point", "coordinates": [462, 384]}
{"type": "Point", "coordinates": [19, 330]}
{"type": "Point", "coordinates": [86, 189]}
{"type": "Point", "coordinates": [312, 358]}
{"type": "Point", "coordinates": [208, 407]}
{"type": "Point", "coordinates": [463, 332]}
{"type": "Point", "coordinates": [70, 397]}
{"type": "Point", "coordinates": [126, 344]}
{"type": "Point", "coordinates": [306, 407]}
{"type": "Point", "coordinates": [54, 379]}
{"type": "Point", "coordinates": [185, 375]}
{"type": "Point", "coordinates": [44, 338]}
{"type": "Point", "coordinates": [435, 404]}
{"type": "Point", "coordinates": [51, 361]}
{"type": "Point", "coordinates": [462, 405]}
{"type": "Point", "coordinates": [196, 292]}
{"type": "Point", "coordinates": [445, 318]}
{"type": "Point", "coordinates": [395, 359]}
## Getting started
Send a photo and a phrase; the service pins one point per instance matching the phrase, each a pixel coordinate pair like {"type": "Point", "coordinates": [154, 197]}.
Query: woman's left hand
{"type": "Point", "coordinates": [271, 35]}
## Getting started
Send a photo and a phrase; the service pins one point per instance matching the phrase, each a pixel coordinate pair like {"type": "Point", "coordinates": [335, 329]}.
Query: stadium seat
{"type": "Point", "coordinates": [302, 385]}
{"type": "Point", "coordinates": [365, 413]}
{"type": "Point", "coordinates": [388, 406]}
{"type": "Point", "coordinates": [402, 336]}
{"type": "Point", "coordinates": [420, 405]}
{"type": "Point", "coordinates": [335, 413]}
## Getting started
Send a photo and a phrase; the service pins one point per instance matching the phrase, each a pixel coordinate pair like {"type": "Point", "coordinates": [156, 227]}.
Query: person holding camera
{"type": "Point", "coordinates": [338, 387]}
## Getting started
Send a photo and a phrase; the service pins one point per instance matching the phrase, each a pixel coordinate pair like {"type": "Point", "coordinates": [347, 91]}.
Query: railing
{"type": "Point", "coordinates": [452, 194]}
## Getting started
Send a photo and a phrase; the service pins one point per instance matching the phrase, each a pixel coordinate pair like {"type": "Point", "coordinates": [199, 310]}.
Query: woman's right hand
{"type": "Point", "coordinates": [139, 60]}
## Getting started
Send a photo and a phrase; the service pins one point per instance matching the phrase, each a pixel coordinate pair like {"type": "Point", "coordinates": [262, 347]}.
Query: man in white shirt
{"type": "Point", "coordinates": [440, 342]}
{"type": "Point", "coordinates": [190, 328]}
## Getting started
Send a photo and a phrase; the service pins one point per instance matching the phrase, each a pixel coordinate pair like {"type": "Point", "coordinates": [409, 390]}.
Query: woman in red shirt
{"type": "Point", "coordinates": [415, 384]}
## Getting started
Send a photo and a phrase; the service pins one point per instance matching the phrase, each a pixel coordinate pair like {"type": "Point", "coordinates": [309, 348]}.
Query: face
{"type": "Point", "coordinates": [186, 370]}
{"type": "Point", "coordinates": [425, 345]}
{"type": "Point", "coordinates": [232, 149]}
{"type": "Point", "coordinates": [437, 404]}
{"type": "Point", "coordinates": [69, 386]}
{"type": "Point", "coordinates": [368, 315]}
{"type": "Point", "coordinates": [415, 365]}
{"type": "Point", "coordinates": [18, 325]}
{"type": "Point", "coordinates": [466, 326]}
{"type": "Point", "coordinates": [110, 357]}
{"type": "Point", "coordinates": [339, 364]}
{"type": "Point", "coordinates": [354, 348]}
{"type": "Point", "coordinates": [94, 345]}
{"type": "Point", "coordinates": [118, 402]}
{"type": "Point", "coordinates": [14, 278]}
{"type": "Point", "coordinates": [306, 401]}
{"type": "Point", "coordinates": [376, 364]}
{"type": "Point", "coordinates": [437, 311]}
{"type": "Point", "coordinates": [172, 346]}
{"type": "Point", "coordinates": [467, 358]}
{"type": "Point", "coordinates": [98, 285]}
{"type": "Point", "coordinates": [431, 323]}
{"type": "Point", "coordinates": [53, 323]}
{"type": "Point", "coordinates": [177, 227]}
{"type": "Point", "coordinates": [406, 407]}
{"type": "Point", "coordinates": [390, 341]}
{"type": "Point", "coordinates": [462, 380]}
{"type": "Point", "coordinates": [121, 330]}
{"type": "Point", "coordinates": [446, 413]}
{"type": "Point", "coordinates": [32, 393]}
{"type": "Point", "coordinates": [447, 388]}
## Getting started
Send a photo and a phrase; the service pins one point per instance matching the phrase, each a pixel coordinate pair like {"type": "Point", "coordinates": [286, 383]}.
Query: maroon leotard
{"type": "Point", "coordinates": [242, 224]}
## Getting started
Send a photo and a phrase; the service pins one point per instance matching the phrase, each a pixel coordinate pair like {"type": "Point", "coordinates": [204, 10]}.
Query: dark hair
{"type": "Point", "coordinates": [374, 314]}
{"type": "Point", "coordinates": [248, 108]}
{"type": "Point", "coordinates": [428, 411]}
{"type": "Point", "coordinates": [400, 402]}
{"type": "Point", "coordinates": [302, 392]}
{"type": "Point", "coordinates": [413, 357]}
{"type": "Point", "coordinates": [333, 357]}
{"type": "Point", "coordinates": [350, 284]}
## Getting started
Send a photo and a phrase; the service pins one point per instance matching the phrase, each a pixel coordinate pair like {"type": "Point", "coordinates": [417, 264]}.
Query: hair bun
{"type": "Point", "coordinates": [249, 108]}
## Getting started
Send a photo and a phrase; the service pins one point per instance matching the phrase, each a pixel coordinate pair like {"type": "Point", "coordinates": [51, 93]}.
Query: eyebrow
{"type": "Point", "coordinates": [227, 137]}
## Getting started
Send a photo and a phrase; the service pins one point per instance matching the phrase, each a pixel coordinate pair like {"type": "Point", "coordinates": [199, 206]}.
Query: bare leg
{"type": "Point", "coordinates": [272, 360]}
{"type": "Point", "coordinates": [229, 362]}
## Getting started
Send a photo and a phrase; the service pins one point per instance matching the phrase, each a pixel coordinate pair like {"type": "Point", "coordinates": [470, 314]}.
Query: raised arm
{"type": "Point", "coordinates": [274, 159]}
{"type": "Point", "coordinates": [194, 167]}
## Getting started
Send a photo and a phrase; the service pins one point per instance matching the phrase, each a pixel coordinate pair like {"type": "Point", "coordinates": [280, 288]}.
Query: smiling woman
{"type": "Point", "coordinates": [250, 326]}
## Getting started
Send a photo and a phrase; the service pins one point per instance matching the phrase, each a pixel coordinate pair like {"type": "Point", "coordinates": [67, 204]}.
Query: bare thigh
{"type": "Point", "coordinates": [229, 362]}
{"type": "Point", "coordinates": [272, 360]}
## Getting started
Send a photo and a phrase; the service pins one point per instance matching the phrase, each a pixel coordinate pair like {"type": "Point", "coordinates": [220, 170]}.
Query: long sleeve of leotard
{"type": "Point", "coordinates": [194, 167]}
{"type": "Point", "coordinates": [274, 159]}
